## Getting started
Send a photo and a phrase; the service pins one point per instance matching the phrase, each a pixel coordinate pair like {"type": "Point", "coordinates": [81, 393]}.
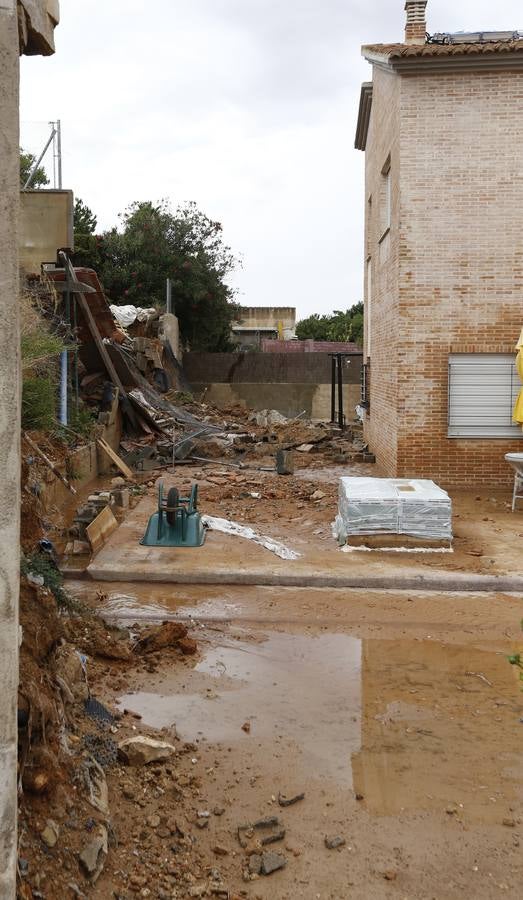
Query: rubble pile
{"type": "Point", "coordinates": [94, 784]}
{"type": "Point", "coordinates": [129, 378]}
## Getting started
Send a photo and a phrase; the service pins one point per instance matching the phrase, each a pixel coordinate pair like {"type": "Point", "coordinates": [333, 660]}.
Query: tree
{"type": "Point", "coordinates": [340, 326]}
{"type": "Point", "coordinates": [27, 161]}
{"type": "Point", "coordinates": [155, 243]}
{"type": "Point", "coordinates": [85, 244]}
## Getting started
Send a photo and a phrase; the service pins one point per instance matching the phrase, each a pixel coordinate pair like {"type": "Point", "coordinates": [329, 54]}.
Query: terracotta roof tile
{"type": "Point", "coordinates": [396, 51]}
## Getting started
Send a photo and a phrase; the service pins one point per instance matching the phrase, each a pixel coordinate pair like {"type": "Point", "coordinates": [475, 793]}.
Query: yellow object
{"type": "Point", "coordinates": [517, 415]}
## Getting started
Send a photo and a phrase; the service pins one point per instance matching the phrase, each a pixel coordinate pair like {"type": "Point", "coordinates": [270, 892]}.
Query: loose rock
{"type": "Point", "coordinates": [272, 862]}
{"type": "Point", "coordinates": [93, 857]}
{"type": "Point", "coordinates": [158, 637]}
{"type": "Point", "coordinates": [142, 751]}
{"type": "Point", "coordinates": [50, 833]}
{"type": "Point", "coordinates": [255, 864]}
{"type": "Point", "coordinates": [332, 843]}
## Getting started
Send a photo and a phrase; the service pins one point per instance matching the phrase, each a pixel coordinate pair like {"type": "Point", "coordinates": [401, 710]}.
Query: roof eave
{"type": "Point", "coordinates": [411, 64]}
{"type": "Point", "coordinates": [492, 62]}
{"type": "Point", "coordinates": [362, 128]}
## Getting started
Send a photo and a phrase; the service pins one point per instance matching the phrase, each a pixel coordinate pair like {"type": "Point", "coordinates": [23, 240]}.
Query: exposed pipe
{"type": "Point", "coordinates": [63, 387]}
{"type": "Point", "coordinates": [63, 355]}
{"type": "Point", "coordinates": [39, 160]}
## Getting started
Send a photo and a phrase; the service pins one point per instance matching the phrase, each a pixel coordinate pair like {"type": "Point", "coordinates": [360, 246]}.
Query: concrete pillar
{"type": "Point", "coordinates": [25, 27]}
{"type": "Point", "coordinates": [9, 440]}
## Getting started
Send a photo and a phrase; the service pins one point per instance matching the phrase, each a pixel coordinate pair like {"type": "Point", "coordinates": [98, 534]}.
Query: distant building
{"type": "Point", "coordinates": [441, 125]}
{"type": "Point", "coordinates": [263, 322]}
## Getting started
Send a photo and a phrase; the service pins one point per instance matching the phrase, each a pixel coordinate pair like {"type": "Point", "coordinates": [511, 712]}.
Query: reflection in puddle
{"type": "Point", "coordinates": [411, 725]}
{"type": "Point", "coordinates": [439, 729]}
{"type": "Point", "coordinates": [299, 689]}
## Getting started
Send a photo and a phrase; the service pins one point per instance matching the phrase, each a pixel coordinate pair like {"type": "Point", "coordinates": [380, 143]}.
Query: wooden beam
{"type": "Point", "coordinates": [117, 460]}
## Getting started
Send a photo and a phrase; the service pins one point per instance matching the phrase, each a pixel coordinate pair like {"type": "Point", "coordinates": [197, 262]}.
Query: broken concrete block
{"type": "Point", "coordinates": [79, 548]}
{"type": "Point", "coordinates": [272, 862]}
{"type": "Point", "coordinates": [142, 750]}
{"type": "Point", "coordinates": [284, 462]}
{"type": "Point", "coordinates": [121, 498]}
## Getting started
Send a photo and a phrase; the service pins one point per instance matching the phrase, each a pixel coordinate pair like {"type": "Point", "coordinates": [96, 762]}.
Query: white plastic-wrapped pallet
{"type": "Point", "coordinates": [413, 507]}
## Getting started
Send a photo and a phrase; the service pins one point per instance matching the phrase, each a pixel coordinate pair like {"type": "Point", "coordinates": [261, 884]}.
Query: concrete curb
{"type": "Point", "coordinates": [505, 584]}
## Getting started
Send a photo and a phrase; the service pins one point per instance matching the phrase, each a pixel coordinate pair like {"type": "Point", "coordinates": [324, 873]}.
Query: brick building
{"type": "Point", "coordinates": [441, 125]}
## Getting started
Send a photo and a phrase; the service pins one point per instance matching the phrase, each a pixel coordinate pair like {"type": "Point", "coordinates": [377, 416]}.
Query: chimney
{"type": "Point", "coordinates": [416, 27]}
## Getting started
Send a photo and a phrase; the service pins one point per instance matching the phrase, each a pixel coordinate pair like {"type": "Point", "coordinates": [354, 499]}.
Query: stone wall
{"type": "Point", "coordinates": [452, 280]}
{"type": "Point", "coordinates": [25, 27]}
{"type": "Point", "coordinates": [291, 384]}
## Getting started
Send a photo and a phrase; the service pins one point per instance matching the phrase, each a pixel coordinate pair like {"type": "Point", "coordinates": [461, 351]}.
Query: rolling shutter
{"type": "Point", "coordinates": [483, 388]}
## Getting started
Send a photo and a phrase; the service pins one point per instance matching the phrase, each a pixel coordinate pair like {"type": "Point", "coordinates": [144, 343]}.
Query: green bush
{"type": "Point", "coordinates": [38, 403]}
{"type": "Point", "coordinates": [37, 564]}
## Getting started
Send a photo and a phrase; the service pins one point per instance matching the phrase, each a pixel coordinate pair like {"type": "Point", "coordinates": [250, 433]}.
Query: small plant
{"type": "Point", "coordinates": [81, 425]}
{"type": "Point", "coordinates": [517, 659]}
{"type": "Point", "coordinates": [38, 403]}
{"type": "Point", "coordinates": [38, 564]}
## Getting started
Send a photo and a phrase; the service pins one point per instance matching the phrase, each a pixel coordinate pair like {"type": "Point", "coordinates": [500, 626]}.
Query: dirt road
{"type": "Point", "coordinates": [399, 717]}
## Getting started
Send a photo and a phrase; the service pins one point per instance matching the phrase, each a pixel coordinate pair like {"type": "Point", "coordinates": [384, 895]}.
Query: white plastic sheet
{"type": "Point", "coordinates": [126, 315]}
{"type": "Point", "coordinates": [414, 507]}
{"type": "Point", "coordinates": [214, 523]}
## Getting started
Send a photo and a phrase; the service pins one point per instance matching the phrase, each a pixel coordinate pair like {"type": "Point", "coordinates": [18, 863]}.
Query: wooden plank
{"type": "Point", "coordinates": [117, 460]}
{"type": "Point", "coordinates": [101, 528]}
{"type": "Point", "coordinates": [48, 463]}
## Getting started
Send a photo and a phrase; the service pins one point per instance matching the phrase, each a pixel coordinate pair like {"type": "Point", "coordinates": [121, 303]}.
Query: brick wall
{"type": "Point", "coordinates": [382, 253]}
{"type": "Point", "coordinates": [459, 268]}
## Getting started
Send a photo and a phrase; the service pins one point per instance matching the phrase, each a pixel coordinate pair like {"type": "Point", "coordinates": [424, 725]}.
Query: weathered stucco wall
{"type": "Point", "coordinates": [267, 316]}
{"type": "Point", "coordinates": [25, 27]}
{"type": "Point", "coordinates": [9, 441]}
{"type": "Point", "coordinates": [46, 225]}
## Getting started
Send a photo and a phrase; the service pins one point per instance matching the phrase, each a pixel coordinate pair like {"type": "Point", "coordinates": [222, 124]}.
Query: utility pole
{"type": "Point", "coordinates": [59, 152]}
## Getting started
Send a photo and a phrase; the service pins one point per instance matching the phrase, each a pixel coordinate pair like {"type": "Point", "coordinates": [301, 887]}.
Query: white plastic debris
{"type": "Point", "coordinates": [214, 523]}
{"type": "Point", "coordinates": [126, 315]}
{"type": "Point", "coordinates": [414, 507]}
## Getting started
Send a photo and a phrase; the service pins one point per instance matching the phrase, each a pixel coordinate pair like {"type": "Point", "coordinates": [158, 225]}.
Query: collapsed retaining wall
{"type": "Point", "coordinates": [290, 384]}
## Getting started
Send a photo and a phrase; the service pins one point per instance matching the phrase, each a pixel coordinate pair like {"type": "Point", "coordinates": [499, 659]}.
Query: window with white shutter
{"type": "Point", "coordinates": [483, 388]}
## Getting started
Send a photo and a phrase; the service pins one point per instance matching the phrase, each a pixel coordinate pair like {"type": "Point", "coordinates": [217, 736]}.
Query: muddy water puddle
{"type": "Point", "coordinates": [409, 725]}
{"type": "Point", "coordinates": [287, 688]}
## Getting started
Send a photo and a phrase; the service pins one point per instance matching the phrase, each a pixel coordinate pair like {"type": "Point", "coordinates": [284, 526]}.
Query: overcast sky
{"type": "Point", "coordinates": [247, 107]}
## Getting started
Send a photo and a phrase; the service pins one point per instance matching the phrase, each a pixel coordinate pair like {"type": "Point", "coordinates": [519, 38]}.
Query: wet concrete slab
{"type": "Point", "coordinates": [226, 559]}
